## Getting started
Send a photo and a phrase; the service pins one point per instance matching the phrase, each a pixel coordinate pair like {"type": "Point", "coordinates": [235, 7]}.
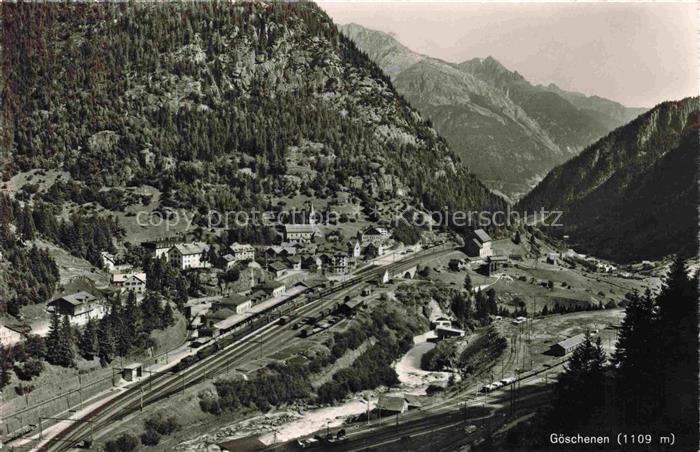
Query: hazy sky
{"type": "Point", "coordinates": [638, 54]}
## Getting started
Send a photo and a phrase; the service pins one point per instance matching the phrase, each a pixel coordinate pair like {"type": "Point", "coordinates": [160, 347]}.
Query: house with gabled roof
{"type": "Point", "coordinates": [277, 268]}
{"type": "Point", "coordinates": [568, 345]}
{"type": "Point", "coordinates": [135, 282]}
{"type": "Point", "coordinates": [479, 244]}
{"type": "Point", "coordinates": [300, 232]}
{"type": "Point", "coordinates": [242, 252]}
{"type": "Point", "coordinates": [375, 235]}
{"type": "Point", "coordinates": [79, 307]}
{"type": "Point", "coordinates": [189, 255]}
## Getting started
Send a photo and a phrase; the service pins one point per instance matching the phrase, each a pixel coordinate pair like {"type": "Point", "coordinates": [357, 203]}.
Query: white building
{"type": "Point", "coordinates": [300, 232]}
{"type": "Point", "coordinates": [479, 244]}
{"type": "Point", "coordinates": [374, 235]}
{"type": "Point", "coordinates": [162, 247]}
{"type": "Point", "coordinates": [79, 307]}
{"type": "Point", "coordinates": [130, 281]}
{"type": "Point", "coordinates": [189, 255]}
{"type": "Point", "coordinates": [354, 248]}
{"type": "Point", "coordinates": [242, 252]}
{"type": "Point", "coordinates": [274, 289]}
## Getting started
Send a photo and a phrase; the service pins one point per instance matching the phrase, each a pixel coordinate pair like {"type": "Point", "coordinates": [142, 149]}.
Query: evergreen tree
{"type": "Point", "coordinates": [131, 316]}
{"type": "Point", "coordinates": [89, 342]}
{"type": "Point", "coordinates": [517, 239]}
{"type": "Point", "coordinates": [467, 283]}
{"type": "Point", "coordinates": [5, 366]}
{"type": "Point", "coordinates": [480, 303]}
{"type": "Point", "coordinates": [580, 388]}
{"type": "Point", "coordinates": [53, 340]}
{"type": "Point", "coordinates": [67, 343]}
{"type": "Point", "coordinates": [27, 228]}
{"type": "Point", "coordinates": [168, 316]}
{"type": "Point", "coordinates": [676, 355]}
{"type": "Point", "coordinates": [491, 303]}
{"type": "Point", "coordinates": [151, 312]}
{"type": "Point", "coordinates": [461, 307]}
{"type": "Point", "coordinates": [635, 342]}
{"type": "Point", "coordinates": [106, 341]}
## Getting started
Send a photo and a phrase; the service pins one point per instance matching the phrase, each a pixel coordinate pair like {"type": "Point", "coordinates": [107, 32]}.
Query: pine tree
{"type": "Point", "coordinates": [491, 303]}
{"type": "Point", "coordinates": [481, 305]}
{"type": "Point", "coordinates": [89, 344]}
{"type": "Point", "coordinates": [151, 312]}
{"type": "Point", "coordinates": [676, 354]}
{"type": "Point", "coordinates": [132, 316]}
{"type": "Point", "coordinates": [579, 389]}
{"type": "Point", "coordinates": [53, 339]}
{"type": "Point", "coordinates": [106, 341]}
{"type": "Point", "coordinates": [467, 283]}
{"type": "Point", "coordinates": [27, 226]}
{"type": "Point", "coordinates": [5, 366]}
{"type": "Point", "coordinates": [67, 343]}
{"type": "Point", "coordinates": [168, 316]}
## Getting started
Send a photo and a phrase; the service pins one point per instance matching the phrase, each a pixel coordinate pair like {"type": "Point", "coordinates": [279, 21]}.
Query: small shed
{"type": "Point", "coordinates": [132, 372]}
{"type": "Point", "coordinates": [392, 404]}
{"type": "Point", "coordinates": [351, 306]}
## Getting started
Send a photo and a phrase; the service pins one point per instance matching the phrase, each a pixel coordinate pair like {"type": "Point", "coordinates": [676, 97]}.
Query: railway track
{"type": "Point", "coordinates": [264, 328]}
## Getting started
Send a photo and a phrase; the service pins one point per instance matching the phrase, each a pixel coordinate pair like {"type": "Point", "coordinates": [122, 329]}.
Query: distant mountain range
{"type": "Point", "coordinates": [506, 130]}
{"type": "Point", "coordinates": [634, 194]}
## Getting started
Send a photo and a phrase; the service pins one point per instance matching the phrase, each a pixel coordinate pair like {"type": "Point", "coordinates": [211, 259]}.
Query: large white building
{"type": "Point", "coordinates": [189, 255]}
{"type": "Point", "coordinates": [300, 232]}
{"type": "Point", "coordinates": [79, 307]}
{"type": "Point", "coordinates": [479, 244]}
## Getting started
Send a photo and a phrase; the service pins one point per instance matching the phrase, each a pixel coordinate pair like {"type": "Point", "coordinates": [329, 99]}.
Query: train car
{"type": "Point", "coordinates": [184, 363]}
{"type": "Point", "coordinates": [208, 350]}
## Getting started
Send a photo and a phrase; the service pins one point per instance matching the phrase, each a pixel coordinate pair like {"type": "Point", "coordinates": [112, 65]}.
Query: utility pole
{"type": "Point", "coordinates": [367, 410]}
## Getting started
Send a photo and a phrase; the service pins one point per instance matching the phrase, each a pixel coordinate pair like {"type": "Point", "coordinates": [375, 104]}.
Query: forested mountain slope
{"type": "Point", "coordinates": [508, 131]}
{"type": "Point", "coordinates": [633, 194]}
{"type": "Point", "coordinates": [205, 101]}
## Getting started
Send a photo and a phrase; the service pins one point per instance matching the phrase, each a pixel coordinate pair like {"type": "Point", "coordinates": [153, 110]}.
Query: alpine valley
{"type": "Point", "coordinates": [509, 132]}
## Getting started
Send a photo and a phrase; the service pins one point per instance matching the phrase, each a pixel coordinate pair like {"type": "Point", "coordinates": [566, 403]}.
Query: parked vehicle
{"type": "Point", "coordinates": [507, 381]}
{"type": "Point", "coordinates": [308, 443]}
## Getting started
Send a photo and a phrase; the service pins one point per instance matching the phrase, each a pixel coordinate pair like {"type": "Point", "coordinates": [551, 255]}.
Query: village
{"type": "Point", "coordinates": [304, 265]}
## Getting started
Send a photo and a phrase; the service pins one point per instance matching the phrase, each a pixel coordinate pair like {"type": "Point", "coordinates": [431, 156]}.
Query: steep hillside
{"type": "Point", "coordinates": [509, 132]}
{"type": "Point", "coordinates": [570, 122]}
{"type": "Point", "coordinates": [205, 101]}
{"type": "Point", "coordinates": [494, 136]}
{"type": "Point", "coordinates": [633, 194]}
{"type": "Point", "coordinates": [613, 111]}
